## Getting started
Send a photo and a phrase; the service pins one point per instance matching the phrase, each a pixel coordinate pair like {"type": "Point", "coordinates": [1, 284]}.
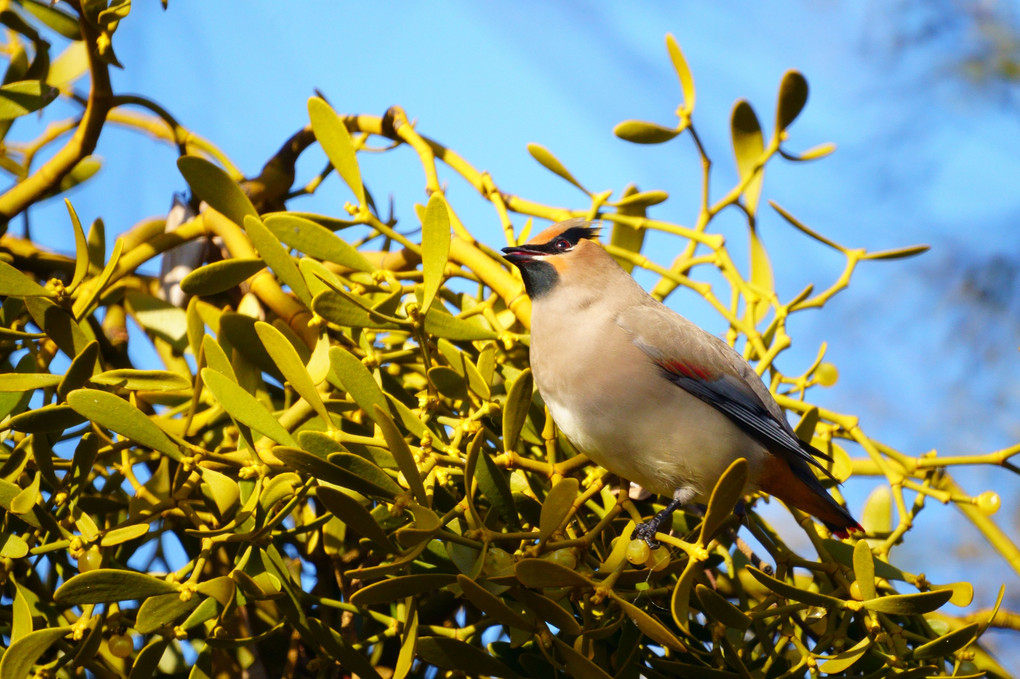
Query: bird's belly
{"type": "Point", "coordinates": [656, 435]}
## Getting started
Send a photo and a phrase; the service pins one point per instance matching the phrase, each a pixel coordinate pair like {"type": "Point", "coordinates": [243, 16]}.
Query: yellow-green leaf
{"type": "Point", "coordinates": [408, 646]}
{"type": "Point", "coordinates": [843, 661]}
{"type": "Point", "coordinates": [81, 249]}
{"type": "Point", "coordinates": [947, 644]}
{"type": "Point", "coordinates": [540, 573]}
{"type": "Point", "coordinates": [59, 325]}
{"type": "Point", "coordinates": [844, 554]}
{"type": "Point", "coordinates": [440, 323]}
{"type": "Point", "coordinates": [352, 513]}
{"type": "Point", "coordinates": [557, 505]}
{"type": "Point", "coordinates": [220, 276]}
{"type": "Point", "coordinates": [12, 546]}
{"type": "Point", "coordinates": [123, 534]}
{"type": "Point", "coordinates": [553, 164]}
{"type": "Point", "coordinates": [290, 364]}
{"type": "Point", "coordinates": [624, 236]}
{"type": "Point", "coordinates": [876, 517]}
{"type": "Point", "coordinates": [63, 23]}
{"type": "Point", "coordinates": [683, 72]}
{"type": "Point", "coordinates": [453, 654]}
{"type": "Point", "coordinates": [217, 188]}
{"type": "Point", "coordinates": [435, 245]}
{"type": "Point", "coordinates": [82, 367]}
{"type": "Point", "coordinates": [401, 452]}
{"type": "Point", "coordinates": [147, 660]}
{"type": "Point", "coordinates": [55, 417]}
{"type": "Point", "coordinates": [619, 551]}
{"type": "Point", "coordinates": [80, 173]}
{"type": "Point", "coordinates": [340, 310]}
{"type": "Point", "coordinates": [21, 656]}
{"type": "Point", "coordinates": [392, 589]}
{"type": "Point", "coordinates": [315, 240]}
{"type": "Point", "coordinates": [632, 198]}
{"type": "Point", "coordinates": [515, 411]}
{"type": "Point", "coordinates": [107, 585]}
{"type": "Point", "coordinates": [748, 147]}
{"type": "Point", "coordinates": [16, 382]}
{"type": "Point", "coordinates": [652, 628]}
{"type": "Point", "coordinates": [448, 382]}
{"type": "Point", "coordinates": [216, 358]}
{"type": "Point", "coordinates": [159, 316]}
{"type": "Point", "coordinates": [805, 428]}
{"type": "Point", "coordinates": [864, 570]}
{"type": "Point", "coordinates": [495, 487]}
{"type": "Point", "coordinates": [13, 283]}
{"type": "Point", "coordinates": [336, 141]}
{"type": "Point", "coordinates": [69, 66]}
{"type": "Point", "coordinates": [25, 96]}
{"type": "Point", "coordinates": [26, 499]}
{"type": "Point", "coordinates": [367, 470]}
{"type": "Point", "coordinates": [98, 285]}
{"type": "Point", "coordinates": [222, 490]}
{"type": "Point", "coordinates": [142, 380]}
{"type": "Point", "coordinates": [761, 275]}
{"type": "Point", "coordinates": [793, 94]}
{"type": "Point", "coordinates": [491, 605]}
{"type": "Point", "coordinates": [270, 249]}
{"type": "Point", "coordinates": [963, 592]}
{"type": "Point", "coordinates": [641, 132]}
{"type": "Point", "coordinates": [163, 610]}
{"type": "Point", "coordinates": [25, 600]}
{"type": "Point", "coordinates": [357, 380]}
{"type": "Point", "coordinates": [718, 608]}
{"type": "Point", "coordinates": [548, 610]}
{"type": "Point", "coordinates": [899, 253]}
{"type": "Point", "coordinates": [909, 604]}
{"type": "Point", "coordinates": [728, 489]}
{"type": "Point", "coordinates": [813, 153]}
{"type": "Point", "coordinates": [244, 407]}
{"type": "Point", "coordinates": [795, 593]}
{"type": "Point", "coordinates": [578, 665]}
{"type": "Point", "coordinates": [366, 478]}
{"type": "Point", "coordinates": [119, 416]}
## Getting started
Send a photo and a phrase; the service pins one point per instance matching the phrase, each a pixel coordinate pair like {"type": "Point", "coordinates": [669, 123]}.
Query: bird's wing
{"type": "Point", "coordinates": [706, 367]}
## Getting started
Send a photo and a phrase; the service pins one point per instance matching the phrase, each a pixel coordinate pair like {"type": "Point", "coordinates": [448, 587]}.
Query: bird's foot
{"type": "Point", "coordinates": [646, 531]}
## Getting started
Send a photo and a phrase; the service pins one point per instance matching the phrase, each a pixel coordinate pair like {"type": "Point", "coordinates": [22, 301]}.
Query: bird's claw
{"type": "Point", "coordinates": [646, 531]}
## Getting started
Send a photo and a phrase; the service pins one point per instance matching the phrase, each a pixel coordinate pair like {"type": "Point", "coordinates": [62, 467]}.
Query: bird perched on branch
{"type": "Point", "coordinates": [648, 394]}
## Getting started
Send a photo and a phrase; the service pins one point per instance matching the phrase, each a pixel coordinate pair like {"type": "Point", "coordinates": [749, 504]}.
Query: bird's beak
{"type": "Point", "coordinates": [520, 254]}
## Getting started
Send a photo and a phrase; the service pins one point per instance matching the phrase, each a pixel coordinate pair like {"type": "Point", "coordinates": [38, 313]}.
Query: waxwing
{"type": "Point", "coordinates": [649, 395]}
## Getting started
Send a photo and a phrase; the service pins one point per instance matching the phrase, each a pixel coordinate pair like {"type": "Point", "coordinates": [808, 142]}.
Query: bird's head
{"type": "Point", "coordinates": [561, 252]}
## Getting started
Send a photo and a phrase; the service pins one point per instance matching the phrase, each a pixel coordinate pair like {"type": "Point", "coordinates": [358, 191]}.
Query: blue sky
{"type": "Point", "coordinates": [923, 157]}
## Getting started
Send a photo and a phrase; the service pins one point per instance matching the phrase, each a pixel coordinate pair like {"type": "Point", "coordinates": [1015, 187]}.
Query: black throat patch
{"type": "Point", "coordinates": [539, 277]}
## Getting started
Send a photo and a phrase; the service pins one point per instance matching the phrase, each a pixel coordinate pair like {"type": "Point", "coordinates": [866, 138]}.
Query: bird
{"type": "Point", "coordinates": [649, 395]}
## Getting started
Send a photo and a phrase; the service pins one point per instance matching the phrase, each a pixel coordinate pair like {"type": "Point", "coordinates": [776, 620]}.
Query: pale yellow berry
{"type": "Point", "coordinates": [497, 560]}
{"type": "Point", "coordinates": [563, 557]}
{"type": "Point", "coordinates": [638, 552]}
{"type": "Point", "coordinates": [855, 591]}
{"type": "Point", "coordinates": [120, 645]}
{"type": "Point", "coordinates": [988, 502]}
{"type": "Point", "coordinates": [90, 559]}
{"type": "Point", "coordinates": [658, 559]}
{"type": "Point", "coordinates": [827, 374]}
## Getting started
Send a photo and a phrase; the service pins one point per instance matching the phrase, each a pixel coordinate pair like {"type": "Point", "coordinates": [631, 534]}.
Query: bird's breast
{"type": "Point", "coordinates": [611, 401]}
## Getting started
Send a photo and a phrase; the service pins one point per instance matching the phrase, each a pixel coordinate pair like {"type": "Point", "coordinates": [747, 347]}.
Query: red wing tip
{"type": "Point", "coordinates": [844, 533]}
{"type": "Point", "coordinates": [686, 370]}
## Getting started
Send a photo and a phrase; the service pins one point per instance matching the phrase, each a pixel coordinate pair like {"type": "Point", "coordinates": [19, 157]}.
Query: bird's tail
{"type": "Point", "coordinates": [795, 484]}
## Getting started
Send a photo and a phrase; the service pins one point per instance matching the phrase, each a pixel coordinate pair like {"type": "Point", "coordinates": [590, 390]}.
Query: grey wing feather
{"type": "Point", "coordinates": [733, 388]}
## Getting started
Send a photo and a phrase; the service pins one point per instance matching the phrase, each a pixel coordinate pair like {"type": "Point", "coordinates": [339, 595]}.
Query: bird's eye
{"type": "Point", "coordinates": [562, 245]}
